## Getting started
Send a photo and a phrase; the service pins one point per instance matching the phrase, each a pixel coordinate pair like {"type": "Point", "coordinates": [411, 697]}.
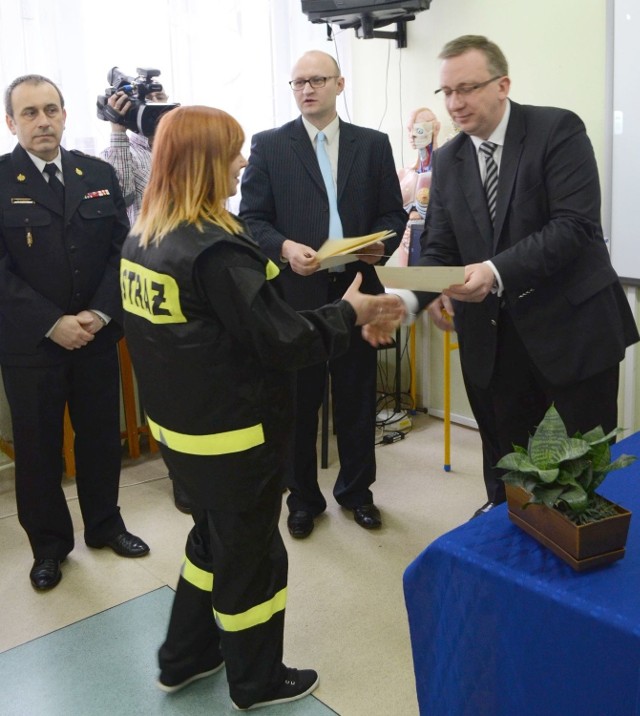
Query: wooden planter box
{"type": "Point", "coordinates": [581, 546]}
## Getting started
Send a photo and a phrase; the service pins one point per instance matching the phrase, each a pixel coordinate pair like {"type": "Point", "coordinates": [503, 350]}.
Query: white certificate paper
{"type": "Point", "coordinates": [420, 278]}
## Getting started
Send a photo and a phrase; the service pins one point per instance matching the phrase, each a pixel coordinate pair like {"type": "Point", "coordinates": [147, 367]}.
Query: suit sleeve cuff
{"type": "Point", "coordinates": [498, 286]}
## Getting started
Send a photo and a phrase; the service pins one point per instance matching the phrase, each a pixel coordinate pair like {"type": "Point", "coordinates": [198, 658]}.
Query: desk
{"type": "Point", "coordinates": [501, 627]}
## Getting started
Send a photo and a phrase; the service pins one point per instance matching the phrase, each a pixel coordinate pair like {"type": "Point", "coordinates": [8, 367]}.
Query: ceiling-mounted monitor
{"type": "Point", "coordinates": [363, 15]}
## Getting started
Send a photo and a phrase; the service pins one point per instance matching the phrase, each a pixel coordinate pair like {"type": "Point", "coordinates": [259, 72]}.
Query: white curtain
{"type": "Point", "coordinates": [232, 54]}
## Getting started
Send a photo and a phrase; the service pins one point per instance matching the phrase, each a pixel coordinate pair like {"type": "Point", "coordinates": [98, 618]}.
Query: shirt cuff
{"type": "Point", "coordinates": [102, 316]}
{"type": "Point", "coordinates": [50, 331]}
{"type": "Point", "coordinates": [497, 285]}
{"type": "Point", "coordinates": [410, 303]}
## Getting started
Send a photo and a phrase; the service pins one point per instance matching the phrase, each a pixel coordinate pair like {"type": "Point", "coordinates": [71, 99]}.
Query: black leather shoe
{"type": "Point", "coordinates": [300, 524]}
{"type": "Point", "coordinates": [45, 573]}
{"type": "Point", "coordinates": [125, 544]}
{"type": "Point", "coordinates": [487, 507]}
{"type": "Point", "coordinates": [367, 516]}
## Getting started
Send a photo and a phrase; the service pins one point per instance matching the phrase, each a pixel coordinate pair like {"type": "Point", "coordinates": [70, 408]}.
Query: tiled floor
{"type": "Point", "coordinates": [103, 665]}
{"type": "Point", "coordinates": [89, 646]}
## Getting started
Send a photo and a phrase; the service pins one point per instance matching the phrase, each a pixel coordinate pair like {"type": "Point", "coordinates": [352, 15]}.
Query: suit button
{"type": "Point", "coordinates": [494, 322]}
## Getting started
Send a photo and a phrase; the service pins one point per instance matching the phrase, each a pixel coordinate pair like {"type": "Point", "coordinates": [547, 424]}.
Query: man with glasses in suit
{"type": "Point", "coordinates": [292, 208]}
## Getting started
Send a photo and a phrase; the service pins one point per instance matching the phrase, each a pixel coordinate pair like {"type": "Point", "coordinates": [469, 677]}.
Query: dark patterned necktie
{"type": "Point", "coordinates": [56, 185]}
{"type": "Point", "coordinates": [491, 177]}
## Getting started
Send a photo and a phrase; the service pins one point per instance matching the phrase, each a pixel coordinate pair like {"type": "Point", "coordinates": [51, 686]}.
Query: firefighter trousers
{"type": "Point", "coordinates": [230, 599]}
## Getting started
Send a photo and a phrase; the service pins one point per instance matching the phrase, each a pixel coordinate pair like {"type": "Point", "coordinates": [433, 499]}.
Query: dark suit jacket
{"type": "Point", "coordinates": [52, 265]}
{"type": "Point", "coordinates": [284, 197]}
{"type": "Point", "coordinates": [560, 289]}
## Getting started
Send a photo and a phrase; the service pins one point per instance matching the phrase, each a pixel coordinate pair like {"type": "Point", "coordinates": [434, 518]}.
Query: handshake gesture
{"type": "Point", "coordinates": [378, 315]}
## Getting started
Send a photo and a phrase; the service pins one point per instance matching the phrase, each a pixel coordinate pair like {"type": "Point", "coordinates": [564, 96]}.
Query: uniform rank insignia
{"type": "Point", "coordinates": [79, 171]}
{"type": "Point", "coordinates": [21, 177]}
{"type": "Point", "coordinates": [21, 200]}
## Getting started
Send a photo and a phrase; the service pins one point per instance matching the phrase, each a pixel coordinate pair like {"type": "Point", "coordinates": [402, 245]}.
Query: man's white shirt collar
{"type": "Point", "coordinates": [498, 134]}
{"type": "Point", "coordinates": [41, 163]}
{"type": "Point", "coordinates": [330, 131]}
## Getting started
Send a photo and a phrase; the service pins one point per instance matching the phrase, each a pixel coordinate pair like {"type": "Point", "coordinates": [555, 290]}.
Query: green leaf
{"type": "Point", "coordinates": [576, 498]}
{"type": "Point", "coordinates": [546, 495]}
{"type": "Point", "coordinates": [513, 461]}
{"type": "Point", "coordinates": [550, 475]}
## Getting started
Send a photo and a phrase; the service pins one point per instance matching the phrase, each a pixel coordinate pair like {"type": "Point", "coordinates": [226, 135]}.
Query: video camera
{"type": "Point", "coordinates": [142, 116]}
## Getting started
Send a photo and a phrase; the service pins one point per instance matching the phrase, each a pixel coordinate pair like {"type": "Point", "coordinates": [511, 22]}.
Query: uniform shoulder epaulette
{"type": "Point", "coordinates": [84, 155]}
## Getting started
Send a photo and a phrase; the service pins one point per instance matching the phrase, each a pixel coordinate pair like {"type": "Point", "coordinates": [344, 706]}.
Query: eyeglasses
{"type": "Point", "coordinates": [314, 82]}
{"type": "Point", "coordinates": [464, 90]}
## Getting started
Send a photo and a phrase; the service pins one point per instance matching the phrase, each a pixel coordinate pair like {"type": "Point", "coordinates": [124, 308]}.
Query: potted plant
{"type": "Point", "coordinates": [551, 493]}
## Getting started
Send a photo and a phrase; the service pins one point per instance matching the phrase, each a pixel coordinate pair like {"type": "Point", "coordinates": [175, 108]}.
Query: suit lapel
{"type": "Point", "coordinates": [468, 177]}
{"type": "Point", "coordinates": [303, 149]}
{"type": "Point", "coordinates": [75, 185]}
{"type": "Point", "coordinates": [511, 153]}
{"type": "Point", "coordinates": [346, 155]}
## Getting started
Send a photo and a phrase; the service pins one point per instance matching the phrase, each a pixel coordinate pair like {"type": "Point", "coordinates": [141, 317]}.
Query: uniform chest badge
{"type": "Point", "coordinates": [21, 177]}
{"type": "Point", "coordinates": [95, 194]}
{"type": "Point", "coordinates": [79, 171]}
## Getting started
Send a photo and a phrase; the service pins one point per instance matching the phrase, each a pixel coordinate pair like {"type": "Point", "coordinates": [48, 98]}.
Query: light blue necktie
{"type": "Point", "coordinates": [335, 225]}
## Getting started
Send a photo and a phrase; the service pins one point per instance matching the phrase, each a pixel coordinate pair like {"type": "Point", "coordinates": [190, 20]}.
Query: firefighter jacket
{"type": "Point", "coordinates": [215, 349]}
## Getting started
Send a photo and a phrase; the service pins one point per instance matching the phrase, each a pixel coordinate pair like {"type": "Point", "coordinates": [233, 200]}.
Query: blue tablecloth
{"type": "Point", "coordinates": [501, 627]}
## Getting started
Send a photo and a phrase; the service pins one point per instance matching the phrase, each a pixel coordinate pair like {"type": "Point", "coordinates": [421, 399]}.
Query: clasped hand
{"type": "Point", "coordinates": [73, 332]}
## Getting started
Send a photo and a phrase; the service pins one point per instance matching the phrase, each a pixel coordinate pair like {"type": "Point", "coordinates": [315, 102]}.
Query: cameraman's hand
{"type": "Point", "coordinates": [121, 104]}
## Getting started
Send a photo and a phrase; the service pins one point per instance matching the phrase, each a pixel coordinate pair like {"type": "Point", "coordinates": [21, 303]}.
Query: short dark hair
{"type": "Point", "coordinates": [30, 79]}
{"type": "Point", "coordinates": [496, 61]}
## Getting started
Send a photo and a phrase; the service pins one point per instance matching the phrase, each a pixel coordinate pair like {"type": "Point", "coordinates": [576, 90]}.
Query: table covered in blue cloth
{"type": "Point", "coordinates": [501, 627]}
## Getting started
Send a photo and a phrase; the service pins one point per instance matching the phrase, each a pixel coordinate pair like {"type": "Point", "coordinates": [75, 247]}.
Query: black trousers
{"type": "Point", "coordinates": [353, 392]}
{"type": "Point", "coordinates": [230, 599]}
{"type": "Point", "coordinates": [511, 407]}
{"type": "Point", "coordinates": [90, 384]}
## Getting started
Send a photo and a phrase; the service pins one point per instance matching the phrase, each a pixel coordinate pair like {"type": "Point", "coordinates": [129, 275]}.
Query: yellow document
{"type": "Point", "coordinates": [420, 278]}
{"type": "Point", "coordinates": [335, 252]}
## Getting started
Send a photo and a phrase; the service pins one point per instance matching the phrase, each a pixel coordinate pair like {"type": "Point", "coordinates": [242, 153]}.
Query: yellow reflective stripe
{"type": "Point", "coordinates": [212, 444]}
{"type": "Point", "coordinates": [271, 270]}
{"type": "Point", "coordinates": [200, 578]}
{"type": "Point", "coordinates": [254, 616]}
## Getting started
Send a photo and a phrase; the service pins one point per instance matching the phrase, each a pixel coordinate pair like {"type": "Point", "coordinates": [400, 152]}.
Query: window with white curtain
{"type": "Point", "coordinates": [232, 54]}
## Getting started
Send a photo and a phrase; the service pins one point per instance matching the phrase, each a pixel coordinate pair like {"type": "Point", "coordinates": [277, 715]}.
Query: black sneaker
{"type": "Point", "coordinates": [296, 685]}
{"type": "Point", "coordinates": [169, 683]}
